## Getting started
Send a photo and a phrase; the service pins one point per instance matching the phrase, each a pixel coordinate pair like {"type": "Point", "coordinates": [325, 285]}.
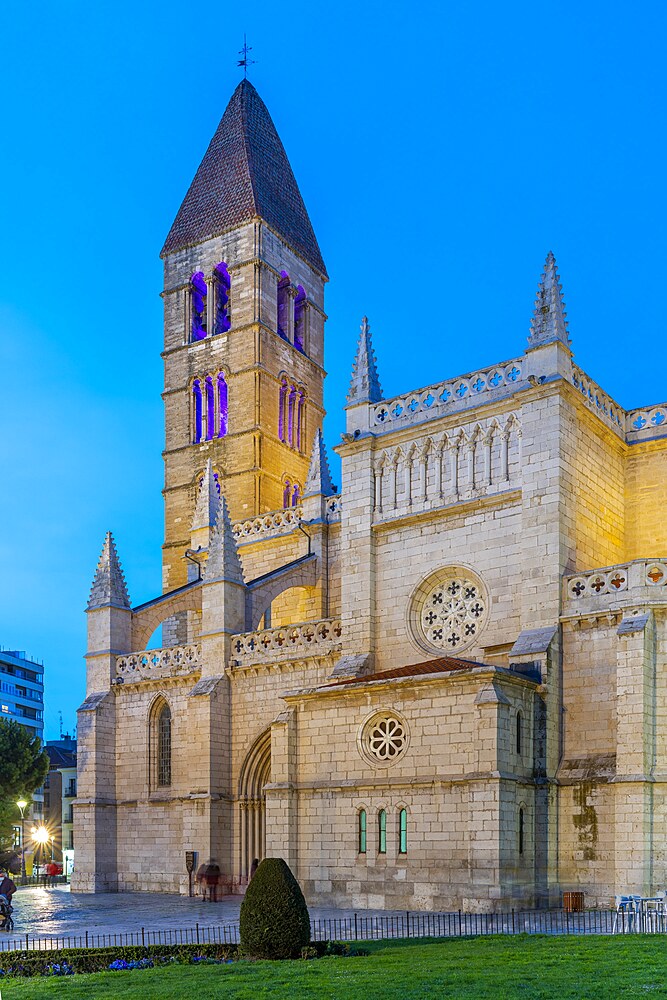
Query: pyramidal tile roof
{"type": "Point", "coordinates": [109, 585]}
{"type": "Point", "coordinates": [245, 173]}
{"type": "Point", "coordinates": [549, 321]}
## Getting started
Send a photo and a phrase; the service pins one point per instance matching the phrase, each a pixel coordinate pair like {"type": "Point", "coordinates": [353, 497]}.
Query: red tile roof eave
{"type": "Point", "coordinates": [442, 665]}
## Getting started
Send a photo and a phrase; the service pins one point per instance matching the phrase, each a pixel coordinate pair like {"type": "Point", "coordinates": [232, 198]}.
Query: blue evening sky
{"type": "Point", "coordinates": [441, 148]}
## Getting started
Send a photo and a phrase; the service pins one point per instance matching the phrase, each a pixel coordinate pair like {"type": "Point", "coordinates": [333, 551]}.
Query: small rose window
{"type": "Point", "coordinates": [449, 611]}
{"type": "Point", "coordinates": [384, 738]}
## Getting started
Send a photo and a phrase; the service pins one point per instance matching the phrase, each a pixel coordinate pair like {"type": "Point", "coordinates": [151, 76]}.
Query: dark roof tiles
{"type": "Point", "coordinates": [441, 665]}
{"type": "Point", "coordinates": [245, 173]}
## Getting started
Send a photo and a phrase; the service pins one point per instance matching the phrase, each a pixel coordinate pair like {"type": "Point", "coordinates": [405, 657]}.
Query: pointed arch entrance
{"type": "Point", "coordinates": [255, 775]}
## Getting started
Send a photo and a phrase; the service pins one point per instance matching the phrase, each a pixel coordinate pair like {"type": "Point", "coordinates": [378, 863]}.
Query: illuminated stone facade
{"type": "Point", "coordinates": [443, 686]}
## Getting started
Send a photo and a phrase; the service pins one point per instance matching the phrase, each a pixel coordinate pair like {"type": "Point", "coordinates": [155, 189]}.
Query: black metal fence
{"type": "Point", "coordinates": [363, 927]}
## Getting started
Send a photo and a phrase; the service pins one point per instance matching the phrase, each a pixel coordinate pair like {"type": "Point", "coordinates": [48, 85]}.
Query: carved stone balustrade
{"type": "Point", "coordinates": [436, 400]}
{"type": "Point", "coordinates": [603, 405]}
{"type": "Point", "coordinates": [173, 661]}
{"type": "Point", "coordinates": [275, 522]}
{"type": "Point", "coordinates": [646, 423]}
{"type": "Point", "coordinates": [642, 581]}
{"type": "Point", "coordinates": [292, 642]}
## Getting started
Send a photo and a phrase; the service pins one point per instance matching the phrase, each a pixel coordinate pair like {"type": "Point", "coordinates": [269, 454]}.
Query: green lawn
{"type": "Point", "coordinates": [502, 968]}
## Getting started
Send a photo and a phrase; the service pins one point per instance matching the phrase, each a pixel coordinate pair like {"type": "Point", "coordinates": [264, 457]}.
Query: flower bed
{"type": "Point", "coordinates": [67, 961]}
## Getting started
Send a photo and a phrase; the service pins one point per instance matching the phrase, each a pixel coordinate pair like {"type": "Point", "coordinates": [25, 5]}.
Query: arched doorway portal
{"type": "Point", "coordinates": [255, 774]}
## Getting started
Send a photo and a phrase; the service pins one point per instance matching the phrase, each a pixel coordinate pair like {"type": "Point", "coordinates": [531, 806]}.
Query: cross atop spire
{"type": "Point", "coordinates": [319, 482]}
{"type": "Point", "coordinates": [365, 385]}
{"type": "Point", "coordinates": [223, 561]}
{"type": "Point", "coordinates": [549, 322]}
{"type": "Point", "coordinates": [207, 500]}
{"type": "Point", "coordinates": [109, 585]}
{"type": "Point", "coordinates": [245, 62]}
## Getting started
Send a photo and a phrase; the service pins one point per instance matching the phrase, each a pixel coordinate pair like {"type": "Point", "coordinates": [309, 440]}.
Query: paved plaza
{"type": "Point", "coordinates": [57, 912]}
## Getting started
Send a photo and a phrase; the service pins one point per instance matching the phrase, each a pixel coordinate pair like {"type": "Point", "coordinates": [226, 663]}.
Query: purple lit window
{"type": "Point", "coordinates": [281, 410]}
{"type": "Point", "coordinates": [300, 319]}
{"type": "Point", "coordinates": [222, 405]}
{"type": "Point", "coordinates": [296, 493]}
{"type": "Point", "coordinates": [284, 300]}
{"type": "Point", "coordinates": [223, 283]}
{"type": "Point", "coordinates": [198, 291]}
{"type": "Point", "coordinates": [210, 408]}
{"type": "Point", "coordinates": [197, 407]}
{"type": "Point", "coordinates": [299, 420]}
{"type": "Point", "coordinates": [290, 417]}
{"type": "Point", "coordinates": [286, 493]}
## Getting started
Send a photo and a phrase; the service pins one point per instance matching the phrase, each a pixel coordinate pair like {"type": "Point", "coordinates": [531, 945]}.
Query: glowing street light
{"type": "Point", "coordinates": [41, 837]}
{"type": "Point", "coordinates": [23, 805]}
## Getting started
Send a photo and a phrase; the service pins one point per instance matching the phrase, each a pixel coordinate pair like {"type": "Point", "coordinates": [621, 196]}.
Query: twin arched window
{"type": "Point", "coordinates": [291, 493]}
{"type": "Point", "coordinates": [291, 413]}
{"type": "Point", "coordinates": [210, 411]}
{"type": "Point", "coordinates": [210, 303]}
{"type": "Point", "coordinates": [291, 309]}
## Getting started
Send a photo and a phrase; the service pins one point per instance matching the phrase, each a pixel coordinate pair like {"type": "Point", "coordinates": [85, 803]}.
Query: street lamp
{"type": "Point", "coordinates": [23, 805]}
{"type": "Point", "coordinates": [41, 837]}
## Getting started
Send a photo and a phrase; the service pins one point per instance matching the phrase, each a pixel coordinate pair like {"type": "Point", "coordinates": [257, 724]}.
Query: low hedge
{"type": "Point", "coordinates": [66, 961]}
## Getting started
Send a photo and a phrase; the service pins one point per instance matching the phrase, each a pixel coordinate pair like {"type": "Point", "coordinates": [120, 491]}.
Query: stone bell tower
{"type": "Point", "coordinates": [243, 330]}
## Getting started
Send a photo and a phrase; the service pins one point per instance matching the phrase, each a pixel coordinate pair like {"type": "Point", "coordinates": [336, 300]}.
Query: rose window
{"type": "Point", "coordinates": [384, 738]}
{"type": "Point", "coordinates": [449, 612]}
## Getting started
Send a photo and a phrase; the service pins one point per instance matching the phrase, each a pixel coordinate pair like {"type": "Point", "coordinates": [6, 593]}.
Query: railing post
{"type": "Point", "coordinates": [407, 922]}
{"type": "Point", "coordinates": [143, 942]}
{"type": "Point", "coordinates": [355, 927]}
{"type": "Point", "coordinates": [197, 926]}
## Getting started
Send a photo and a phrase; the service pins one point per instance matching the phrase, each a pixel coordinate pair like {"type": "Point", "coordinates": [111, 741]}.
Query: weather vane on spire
{"type": "Point", "coordinates": [245, 62]}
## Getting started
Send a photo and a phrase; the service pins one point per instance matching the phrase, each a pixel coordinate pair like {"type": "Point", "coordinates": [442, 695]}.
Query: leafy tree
{"type": "Point", "coordinates": [24, 765]}
{"type": "Point", "coordinates": [274, 917]}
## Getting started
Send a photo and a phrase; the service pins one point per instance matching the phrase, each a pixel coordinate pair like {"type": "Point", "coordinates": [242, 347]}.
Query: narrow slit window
{"type": "Point", "coordinates": [362, 831]}
{"type": "Point", "coordinates": [286, 493]}
{"type": "Point", "coordinates": [403, 831]}
{"type": "Point", "coordinates": [519, 733]}
{"type": "Point", "coordinates": [296, 494]}
{"type": "Point", "coordinates": [521, 832]}
{"type": "Point", "coordinates": [382, 832]}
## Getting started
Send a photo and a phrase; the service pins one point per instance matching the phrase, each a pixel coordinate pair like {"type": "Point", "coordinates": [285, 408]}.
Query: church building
{"type": "Point", "coordinates": [442, 686]}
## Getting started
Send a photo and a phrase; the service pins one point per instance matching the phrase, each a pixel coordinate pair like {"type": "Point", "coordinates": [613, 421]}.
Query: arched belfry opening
{"type": "Point", "coordinates": [255, 775]}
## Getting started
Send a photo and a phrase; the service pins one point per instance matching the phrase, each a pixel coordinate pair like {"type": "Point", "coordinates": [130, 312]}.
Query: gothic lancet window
{"type": "Point", "coordinates": [198, 294]}
{"type": "Point", "coordinates": [362, 831]}
{"type": "Point", "coordinates": [382, 832]}
{"type": "Point", "coordinates": [287, 492]}
{"type": "Point", "coordinates": [300, 319]}
{"type": "Point", "coordinates": [210, 408]}
{"type": "Point", "coordinates": [222, 287]}
{"type": "Point", "coordinates": [282, 411]}
{"type": "Point", "coordinates": [222, 405]}
{"type": "Point", "coordinates": [197, 410]}
{"type": "Point", "coordinates": [160, 745]}
{"type": "Point", "coordinates": [403, 831]}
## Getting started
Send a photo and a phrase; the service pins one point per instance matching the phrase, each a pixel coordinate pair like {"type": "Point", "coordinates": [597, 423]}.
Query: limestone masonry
{"type": "Point", "coordinates": [444, 686]}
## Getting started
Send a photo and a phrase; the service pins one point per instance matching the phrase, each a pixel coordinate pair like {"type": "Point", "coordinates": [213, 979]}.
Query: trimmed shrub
{"type": "Point", "coordinates": [275, 922]}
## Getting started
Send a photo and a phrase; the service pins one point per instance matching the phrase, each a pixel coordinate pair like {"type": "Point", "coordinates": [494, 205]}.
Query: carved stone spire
{"type": "Point", "coordinates": [365, 385]}
{"type": "Point", "coordinates": [207, 501]}
{"type": "Point", "coordinates": [109, 585]}
{"type": "Point", "coordinates": [319, 482]}
{"type": "Point", "coordinates": [223, 561]}
{"type": "Point", "coordinates": [549, 322]}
